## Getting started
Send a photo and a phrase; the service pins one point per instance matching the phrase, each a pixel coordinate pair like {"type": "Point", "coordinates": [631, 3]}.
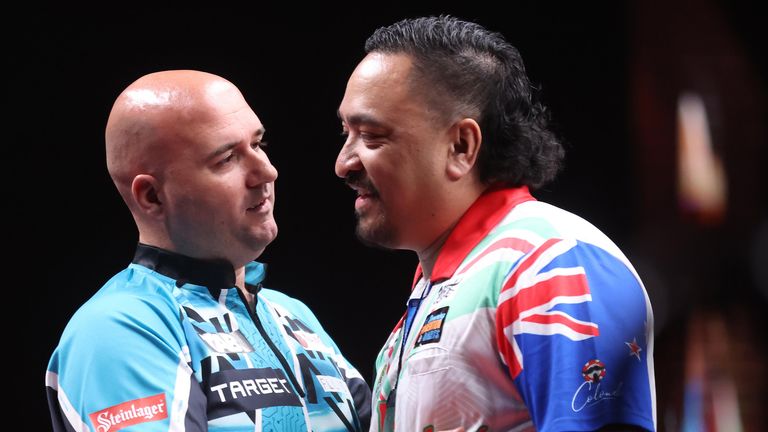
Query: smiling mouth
{"type": "Point", "coordinates": [258, 205]}
{"type": "Point", "coordinates": [363, 192]}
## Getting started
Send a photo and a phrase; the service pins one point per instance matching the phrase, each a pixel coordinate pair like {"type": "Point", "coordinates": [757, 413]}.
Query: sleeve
{"type": "Point", "coordinates": [123, 364]}
{"type": "Point", "coordinates": [574, 328]}
{"type": "Point", "coordinates": [358, 387]}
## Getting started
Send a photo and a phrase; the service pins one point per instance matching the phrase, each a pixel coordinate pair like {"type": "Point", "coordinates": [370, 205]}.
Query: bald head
{"type": "Point", "coordinates": [185, 151]}
{"type": "Point", "coordinates": [150, 118]}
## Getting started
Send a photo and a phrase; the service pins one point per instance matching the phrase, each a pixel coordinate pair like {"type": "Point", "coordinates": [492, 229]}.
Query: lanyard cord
{"type": "Point", "coordinates": [410, 314]}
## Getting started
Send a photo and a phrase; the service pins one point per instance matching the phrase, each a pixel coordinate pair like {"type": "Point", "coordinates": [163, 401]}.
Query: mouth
{"type": "Point", "coordinates": [259, 206]}
{"type": "Point", "coordinates": [362, 186]}
{"type": "Point", "coordinates": [365, 197]}
{"type": "Point", "coordinates": [366, 191]}
{"type": "Point", "coordinates": [363, 192]}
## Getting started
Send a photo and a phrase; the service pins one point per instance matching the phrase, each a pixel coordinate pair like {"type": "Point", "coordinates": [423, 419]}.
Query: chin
{"type": "Point", "coordinates": [255, 244]}
{"type": "Point", "coordinates": [250, 253]}
{"type": "Point", "coordinates": [377, 236]}
{"type": "Point", "coordinates": [262, 242]}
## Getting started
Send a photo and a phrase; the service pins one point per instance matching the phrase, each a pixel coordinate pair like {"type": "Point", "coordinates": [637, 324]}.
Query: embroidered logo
{"type": "Point", "coordinates": [432, 329]}
{"type": "Point", "coordinates": [591, 392]}
{"type": "Point", "coordinates": [116, 417]}
{"type": "Point", "coordinates": [593, 371]}
{"type": "Point", "coordinates": [446, 290]}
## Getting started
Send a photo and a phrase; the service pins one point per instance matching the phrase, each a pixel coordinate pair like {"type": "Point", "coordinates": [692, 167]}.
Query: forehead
{"type": "Point", "coordinates": [221, 117]}
{"type": "Point", "coordinates": [381, 86]}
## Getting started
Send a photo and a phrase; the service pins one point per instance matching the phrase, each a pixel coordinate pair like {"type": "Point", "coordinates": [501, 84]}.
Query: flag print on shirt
{"type": "Point", "coordinates": [552, 318]}
{"type": "Point", "coordinates": [549, 323]}
{"type": "Point", "coordinates": [529, 295]}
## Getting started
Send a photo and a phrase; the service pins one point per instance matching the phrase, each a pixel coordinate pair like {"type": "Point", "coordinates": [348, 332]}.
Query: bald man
{"type": "Point", "coordinates": [185, 338]}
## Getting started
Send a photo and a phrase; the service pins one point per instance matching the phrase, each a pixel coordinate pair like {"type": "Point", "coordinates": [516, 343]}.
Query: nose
{"type": "Point", "coordinates": [260, 169]}
{"type": "Point", "coordinates": [348, 160]}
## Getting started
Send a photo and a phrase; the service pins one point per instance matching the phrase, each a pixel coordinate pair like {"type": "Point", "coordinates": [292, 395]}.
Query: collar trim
{"type": "Point", "coordinates": [481, 217]}
{"type": "Point", "coordinates": [213, 274]}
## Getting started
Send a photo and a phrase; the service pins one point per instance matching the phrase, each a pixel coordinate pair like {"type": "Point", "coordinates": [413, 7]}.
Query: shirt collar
{"type": "Point", "coordinates": [482, 216]}
{"type": "Point", "coordinates": [213, 274]}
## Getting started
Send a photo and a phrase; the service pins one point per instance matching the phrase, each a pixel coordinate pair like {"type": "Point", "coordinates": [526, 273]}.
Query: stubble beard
{"type": "Point", "coordinates": [372, 230]}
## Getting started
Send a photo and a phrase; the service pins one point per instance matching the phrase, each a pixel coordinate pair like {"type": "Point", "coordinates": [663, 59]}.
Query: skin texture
{"type": "Point", "coordinates": [184, 150]}
{"type": "Point", "coordinates": [413, 166]}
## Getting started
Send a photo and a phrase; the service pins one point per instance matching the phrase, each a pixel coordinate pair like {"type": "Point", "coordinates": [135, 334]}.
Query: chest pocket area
{"type": "Point", "coordinates": [430, 360]}
{"type": "Point", "coordinates": [427, 383]}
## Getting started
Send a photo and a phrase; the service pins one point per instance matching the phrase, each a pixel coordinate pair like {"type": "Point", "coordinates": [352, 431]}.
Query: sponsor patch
{"type": "Point", "coordinates": [595, 388]}
{"type": "Point", "coordinates": [310, 341]}
{"type": "Point", "coordinates": [332, 384]}
{"type": "Point", "coordinates": [593, 371]}
{"type": "Point", "coordinates": [233, 342]}
{"type": "Point", "coordinates": [432, 329]}
{"type": "Point", "coordinates": [239, 390]}
{"type": "Point", "coordinates": [116, 417]}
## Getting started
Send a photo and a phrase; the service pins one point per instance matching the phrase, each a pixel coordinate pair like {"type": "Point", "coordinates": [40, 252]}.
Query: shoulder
{"type": "Point", "coordinates": [542, 223]}
{"type": "Point", "coordinates": [135, 291]}
{"type": "Point", "coordinates": [133, 302]}
{"type": "Point", "coordinates": [544, 243]}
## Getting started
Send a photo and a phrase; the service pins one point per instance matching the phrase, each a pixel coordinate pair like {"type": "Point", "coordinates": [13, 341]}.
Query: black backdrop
{"type": "Point", "coordinates": [292, 67]}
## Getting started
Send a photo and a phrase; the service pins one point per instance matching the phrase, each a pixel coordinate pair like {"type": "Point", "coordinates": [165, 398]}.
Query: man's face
{"type": "Point", "coordinates": [219, 185]}
{"type": "Point", "coordinates": [394, 154]}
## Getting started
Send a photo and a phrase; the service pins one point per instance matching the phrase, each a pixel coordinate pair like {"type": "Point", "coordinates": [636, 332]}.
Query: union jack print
{"type": "Point", "coordinates": [528, 296]}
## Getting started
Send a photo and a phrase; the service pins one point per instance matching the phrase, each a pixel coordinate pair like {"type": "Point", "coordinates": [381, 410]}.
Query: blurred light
{"type": "Point", "coordinates": [710, 400]}
{"type": "Point", "coordinates": [701, 182]}
{"type": "Point", "coordinates": [760, 258]}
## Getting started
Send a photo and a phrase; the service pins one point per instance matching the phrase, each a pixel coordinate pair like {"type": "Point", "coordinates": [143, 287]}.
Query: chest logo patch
{"type": "Point", "coordinates": [432, 329]}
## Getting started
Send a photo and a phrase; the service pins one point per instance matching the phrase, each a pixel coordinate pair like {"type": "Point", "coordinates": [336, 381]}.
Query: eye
{"type": "Point", "coordinates": [259, 144]}
{"type": "Point", "coordinates": [230, 157]}
{"type": "Point", "coordinates": [371, 138]}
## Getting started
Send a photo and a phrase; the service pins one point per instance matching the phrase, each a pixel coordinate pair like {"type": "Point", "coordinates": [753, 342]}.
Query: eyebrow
{"type": "Point", "coordinates": [229, 146]}
{"type": "Point", "coordinates": [358, 119]}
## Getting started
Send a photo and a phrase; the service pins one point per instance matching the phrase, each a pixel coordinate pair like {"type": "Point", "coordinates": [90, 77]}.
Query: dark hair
{"type": "Point", "coordinates": [480, 75]}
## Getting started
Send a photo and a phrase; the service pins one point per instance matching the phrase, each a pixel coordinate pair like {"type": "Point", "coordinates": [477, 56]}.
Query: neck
{"type": "Point", "coordinates": [461, 201]}
{"type": "Point", "coordinates": [240, 283]}
{"type": "Point", "coordinates": [428, 256]}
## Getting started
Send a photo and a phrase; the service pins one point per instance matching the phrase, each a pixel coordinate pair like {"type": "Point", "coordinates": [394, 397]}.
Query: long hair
{"type": "Point", "coordinates": [473, 72]}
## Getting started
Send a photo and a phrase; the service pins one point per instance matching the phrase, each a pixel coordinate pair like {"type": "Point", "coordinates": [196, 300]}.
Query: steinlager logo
{"type": "Point", "coordinates": [129, 413]}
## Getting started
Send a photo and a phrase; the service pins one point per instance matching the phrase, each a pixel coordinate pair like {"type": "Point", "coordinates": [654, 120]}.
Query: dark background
{"type": "Point", "coordinates": [67, 66]}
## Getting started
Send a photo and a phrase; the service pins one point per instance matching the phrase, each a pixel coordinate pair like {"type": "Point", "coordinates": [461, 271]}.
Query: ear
{"type": "Point", "coordinates": [467, 139]}
{"type": "Point", "coordinates": [145, 190]}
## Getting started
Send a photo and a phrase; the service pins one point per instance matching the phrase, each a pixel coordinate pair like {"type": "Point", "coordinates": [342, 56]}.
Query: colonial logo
{"type": "Point", "coordinates": [148, 409]}
{"type": "Point", "coordinates": [432, 329]}
{"type": "Point", "coordinates": [593, 371]}
{"type": "Point", "coordinates": [592, 391]}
